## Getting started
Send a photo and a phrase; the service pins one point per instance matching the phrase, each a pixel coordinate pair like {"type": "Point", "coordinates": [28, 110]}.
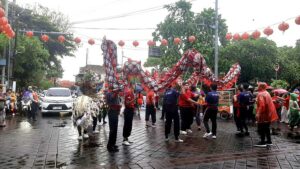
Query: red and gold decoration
{"type": "Point", "coordinates": [245, 36]}
{"type": "Point", "coordinates": [164, 42]}
{"type": "Point", "coordinates": [61, 39]}
{"type": "Point", "coordinates": [91, 41]}
{"type": "Point", "coordinates": [192, 39]}
{"type": "Point", "coordinates": [121, 43]}
{"type": "Point", "coordinates": [77, 40]}
{"type": "Point", "coordinates": [151, 43]}
{"type": "Point", "coordinates": [191, 58]}
{"type": "Point", "coordinates": [29, 34]}
{"type": "Point", "coordinates": [256, 34]}
{"type": "Point", "coordinates": [177, 41]}
{"type": "Point", "coordinates": [228, 36]}
{"type": "Point", "coordinates": [5, 27]}
{"type": "Point", "coordinates": [283, 26]}
{"type": "Point", "coordinates": [268, 31]}
{"type": "Point", "coordinates": [45, 38]}
{"type": "Point", "coordinates": [135, 43]}
{"type": "Point", "coordinates": [236, 36]}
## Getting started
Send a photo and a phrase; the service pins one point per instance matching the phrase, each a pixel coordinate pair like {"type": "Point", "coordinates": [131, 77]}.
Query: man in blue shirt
{"type": "Point", "coordinates": [244, 102]}
{"type": "Point", "coordinates": [212, 100]}
{"type": "Point", "coordinates": [171, 109]}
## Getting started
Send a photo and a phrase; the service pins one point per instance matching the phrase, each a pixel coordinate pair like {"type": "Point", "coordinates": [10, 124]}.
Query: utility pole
{"type": "Point", "coordinates": [216, 40]}
{"type": "Point", "coordinates": [87, 57]}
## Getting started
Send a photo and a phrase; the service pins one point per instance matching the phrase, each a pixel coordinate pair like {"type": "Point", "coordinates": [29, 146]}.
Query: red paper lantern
{"type": "Point", "coordinates": [3, 21]}
{"type": "Point", "coordinates": [151, 43]}
{"type": "Point", "coordinates": [283, 26]}
{"type": "Point", "coordinates": [164, 42]}
{"type": "Point", "coordinates": [2, 12]}
{"type": "Point", "coordinates": [192, 39]}
{"type": "Point", "coordinates": [61, 39]}
{"type": "Point", "coordinates": [135, 43]}
{"type": "Point", "coordinates": [297, 20]}
{"type": "Point", "coordinates": [177, 41]}
{"type": "Point", "coordinates": [245, 36]}
{"type": "Point", "coordinates": [11, 34]}
{"type": "Point", "coordinates": [91, 41]}
{"type": "Point", "coordinates": [77, 40]}
{"type": "Point", "coordinates": [45, 38]}
{"type": "Point", "coordinates": [29, 34]}
{"type": "Point", "coordinates": [256, 34]}
{"type": "Point", "coordinates": [268, 31]}
{"type": "Point", "coordinates": [228, 36]}
{"type": "Point", "coordinates": [236, 36]}
{"type": "Point", "coordinates": [121, 43]}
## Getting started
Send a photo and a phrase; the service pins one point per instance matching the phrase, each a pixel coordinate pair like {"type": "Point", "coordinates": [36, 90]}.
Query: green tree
{"type": "Point", "coordinates": [256, 58]}
{"type": "Point", "coordinates": [181, 22]}
{"type": "Point", "coordinates": [29, 66]}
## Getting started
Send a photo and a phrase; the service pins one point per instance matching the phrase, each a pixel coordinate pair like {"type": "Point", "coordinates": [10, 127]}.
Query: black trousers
{"type": "Point", "coordinates": [113, 119]}
{"type": "Point", "coordinates": [172, 115]}
{"type": "Point", "coordinates": [150, 111]}
{"type": "Point", "coordinates": [102, 115]}
{"type": "Point", "coordinates": [128, 117]}
{"type": "Point", "coordinates": [163, 111]}
{"type": "Point", "coordinates": [212, 115]}
{"type": "Point", "coordinates": [33, 111]}
{"type": "Point", "coordinates": [244, 111]}
{"type": "Point", "coordinates": [264, 132]}
{"type": "Point", "coordinates": [187, 117]}
{"type": "Point", "coordinates": [236, 118]}
{"type": "Point", "coordinates": [94, 122]}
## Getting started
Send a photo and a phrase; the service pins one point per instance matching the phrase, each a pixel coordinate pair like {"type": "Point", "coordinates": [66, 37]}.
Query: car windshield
{"type": "Point", "coordinates": [58, 92]}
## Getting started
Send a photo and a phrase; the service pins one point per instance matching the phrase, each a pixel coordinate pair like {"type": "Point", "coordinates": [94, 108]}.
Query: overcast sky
{"type": "Point", "coordinates": [241, 16]}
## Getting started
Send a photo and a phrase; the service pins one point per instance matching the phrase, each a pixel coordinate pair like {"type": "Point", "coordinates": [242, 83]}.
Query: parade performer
{"type": "Point", "coordinates": [186, 106]}
{"type": "Point", "coordinates": [129, 100]}
{"type": "Point", "coordinates": [113, 102]}
{"type": "Point", "coordinates": [171, 109]}
{"type": "Point", "coordinates": [212, 100]}
{"type": "Point", "coordinates": [265, 114]}
{"type": "Point", "coordinates": [150, 108]}
{"type": "Point", "coordinates": [294, 117]}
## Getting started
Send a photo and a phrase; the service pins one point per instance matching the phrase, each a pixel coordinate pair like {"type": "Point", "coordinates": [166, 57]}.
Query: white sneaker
{"type": "Point", "coordinates": [183, 132]}
{"type": "Point", "coordinates": [207, 135]}
{"type": "Point", "coordinates": [214, 137]}
{"type": "Point", "coordinates": [153, 125]}
{"type": "Point", "coordinates": [79, 137]}
{"type": "Point", "coordinates": [85, 136]}
{"type": "Point", "coordinates": [126, 143]}
{"type": "Point", "coordinates": [179, 141]}
{"type": "Point", "coordinates": [189, 131]}
{"type": "Point", "coordinates": [96, 132]}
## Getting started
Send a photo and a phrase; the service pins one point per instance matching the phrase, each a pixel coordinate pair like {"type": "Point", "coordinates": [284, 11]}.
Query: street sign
{"type": "Point", "coordinates": [154, 51]}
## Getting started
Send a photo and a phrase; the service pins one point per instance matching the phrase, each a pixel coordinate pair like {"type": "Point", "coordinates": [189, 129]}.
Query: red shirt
{"type": "Point", "coordinates": [183, 99]}
{"type": "Point", "coordinates": [129, 97]}
{"type": "Point", "coordinates": [150, 98]}
{"type": "Point", "coordinates": [287, 102]}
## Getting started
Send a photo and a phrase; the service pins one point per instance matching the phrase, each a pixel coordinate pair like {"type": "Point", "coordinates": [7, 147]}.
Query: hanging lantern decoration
{"type": "Point", "coordinates": [268, 31]}
{"type": "Point", "coordinates": [91, 41]}
{"type": "Point", "coordinates": [283, 26]}
{"type": "Point", "coordinates": [164, 42]}
{"type": "Point", "coordinates": [2, 12]}
{"type": "Point", "coordinates": [121, 43]}
{"type": "Point", "coordinates": [45, 38]}
{"type": "Point", "coordinates": [29, 34]}
{"type": "Point", "coordinates": [61, 39]}
{"type": "Point", "coordinates": [135, 43]}
{"type": "Point", "coordinates": [6, 28]}
{"type": "Point", "coordinates": [256, 34]}
{"type": "Point", "coordinates": [236, 36]}
{"type": "Point", "coordinates": [297, 20]}
{"type": "Point", "coordinates": [77, 40]}
{"type": "Point", "coordinates": [151, 43]}
{"type": "Point", "coordinates": [245, 36]}
{"type": "Point", "coordinates": [177, 41]}
{"type": "Point", "coordinates": [228, 36]}
{"type": "Point", "coordinates": [11, 34]}
{"type": "Point", "coordinates": [3, 21]}
{"type": "Point", "coordinates": [192, 39]}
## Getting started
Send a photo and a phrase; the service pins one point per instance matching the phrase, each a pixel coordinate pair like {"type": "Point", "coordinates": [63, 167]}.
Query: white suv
{"type": "Point", "coordinates": [57, 99]}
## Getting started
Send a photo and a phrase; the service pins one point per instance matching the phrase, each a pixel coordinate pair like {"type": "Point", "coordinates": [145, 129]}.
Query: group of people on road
{"type": "Point", "coordinates": [9, 105]}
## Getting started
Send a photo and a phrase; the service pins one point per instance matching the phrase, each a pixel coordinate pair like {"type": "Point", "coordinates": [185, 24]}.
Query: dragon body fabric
{"type": "Point", "coordinates": [190, 59]}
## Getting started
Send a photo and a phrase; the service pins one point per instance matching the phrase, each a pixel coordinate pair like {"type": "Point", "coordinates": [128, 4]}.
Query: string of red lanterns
{"type": "Point", "coordinates": [5, 27]}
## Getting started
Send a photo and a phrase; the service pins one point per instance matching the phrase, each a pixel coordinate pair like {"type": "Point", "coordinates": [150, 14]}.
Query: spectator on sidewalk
{"type": "Point", "coordinates": [244, 103]}
{"type": "Point", "coordinates": [212, 100]}
{"type": "Point", "coordinates": [265, 114]}
{"type": "Point", "coordinates": [129, 101]}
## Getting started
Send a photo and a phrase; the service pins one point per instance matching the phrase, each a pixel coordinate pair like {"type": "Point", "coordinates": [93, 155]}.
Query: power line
{"type": "Point", "coordinates": [152, 9]}
{"type": "Point", "coordinates": [95, 28]}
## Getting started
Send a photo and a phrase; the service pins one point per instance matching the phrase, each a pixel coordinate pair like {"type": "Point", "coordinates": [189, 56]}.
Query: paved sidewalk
{"type": "Point", "coordinates": [43, 144]}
